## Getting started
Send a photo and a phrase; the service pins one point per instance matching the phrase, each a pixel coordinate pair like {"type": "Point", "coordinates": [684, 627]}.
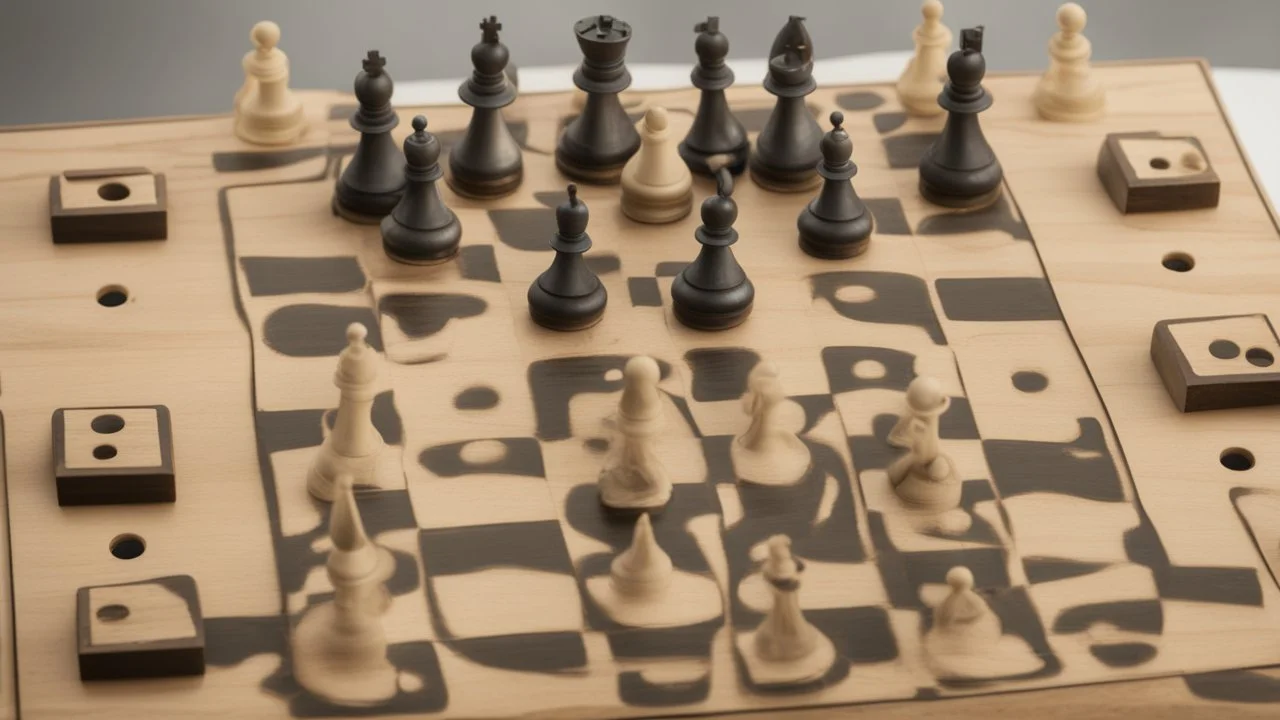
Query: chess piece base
{"type": "Point", "coordinates": [834, 240]}
{"type": "Point", "coordinates": [1055, 108]}
{"type": "Point", "coordinates": [272, 130]}
{"type": "Point", "coordinates": [765, 674]}
{"type": "Point", "coordinates": [344, 670]}
{"type": "Point", "coordinates": [786, 463]}
{"type": "Point", "coordinates": [420, 247]}
{"type": "Point", "coordinates": [659, 209]}
{"type": "Point", "coordinates": [731, 307]}
{"type": "Point", "coordinates": [486, 189]}
{"type": "Point", "coordinates": [939, 186]}
{"type": "Point", "coordinates": [566, 314]}
{"type": "Point", "coordinates": [784, 181]}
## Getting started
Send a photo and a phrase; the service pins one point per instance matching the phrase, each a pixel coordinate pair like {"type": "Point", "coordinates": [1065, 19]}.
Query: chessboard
{"type": "Point", "coordinates": [1116, 538]}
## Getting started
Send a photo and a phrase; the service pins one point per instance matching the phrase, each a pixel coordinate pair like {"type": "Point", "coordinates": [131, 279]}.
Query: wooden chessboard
{"type": "Point", "coordinates": [1109, 531]}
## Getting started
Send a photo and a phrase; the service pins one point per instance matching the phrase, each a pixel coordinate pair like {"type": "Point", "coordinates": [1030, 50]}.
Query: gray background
{"type": "Point", "coordinates": [70, 60]}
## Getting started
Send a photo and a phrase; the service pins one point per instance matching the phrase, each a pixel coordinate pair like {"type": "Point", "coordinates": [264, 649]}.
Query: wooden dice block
{"type": "Point", "coordinates": [1213, 363]}
{"type": "Point", "coordinates": [1144, 172]}
{"type": "Point", "coordinates": [146, 629]}
{"type": "Point", "coordinates": [107, 456]}
{"type": "Point", "coordinates": [108, 205]}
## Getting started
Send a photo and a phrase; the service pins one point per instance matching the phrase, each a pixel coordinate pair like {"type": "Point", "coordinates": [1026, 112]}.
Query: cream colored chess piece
{"type": "Point", "coordinates": [340, 647]}
{"type": "Point", "coordinates": [657, 186]}
{"type": "Point", "coordinates": [786, 649]}
{"type": "Point", "coordinates": [643, 569]}
{"type": "Point", "coordinates": [1069, 91]}
{"type": "Point", "coordinates": [354, 444]}
{"type": "Point", "coordinates": [921, 82]}
{"type": "Point", "coordinates": [768, 453]}
{"type": "Point", "coordinates": [924, 399]}
{"type": "Point", "coordinates": [925, 477]}
{"type": "Point", "coordinates": [643, 588]}
{"type": "Point", "coordinates": [634, 477]}
{"type": "Point", "coordinates": [966, 633]}
{"type": "Point", "coordinates": [266, 111]}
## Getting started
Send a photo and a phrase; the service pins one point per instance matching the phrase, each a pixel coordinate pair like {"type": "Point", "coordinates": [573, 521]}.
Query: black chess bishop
{"type": "Point", "coordinates": [835, 224]}
{"type": "Point", "coordinates": [713, 292]}
{"type": "Point", "coordinates": [960, 169]}
{"type": "Point", "coordinates": [421, 230]}
{"type": "Point", "coordinates": [568, 296]}
{"type": "Point", "coordinates": [597, 143]}
{"type": "Point", "coordinates": [373, 181]}
{"type": "Point", "coordinates": [786, 154]}
{"type": "Point", "coordinates": [487, 162]}
{"type": "Point", "coordinates": [715, 131]}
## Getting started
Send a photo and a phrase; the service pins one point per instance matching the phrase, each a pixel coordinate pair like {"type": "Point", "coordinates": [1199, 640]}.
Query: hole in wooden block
{"type": "Point", "coordinates": [1237, 459]}
{"type": "Point", "coordinates": [1224, 349]}
{"type": "Point", "coordinates": [1029, 381]}
{"type": "Point", "coordinates": [1259, 356]}
{"type": "Point", "coordinates": [112, 296]}
{"type": "Point", "coordinates": [112, 613]}
{"type": "Point", "coordinates": [127, 546]}
{"type": "Point", "coordinates": [1159, 163]}
{"type": "Point", "coordinates": [113, 191]}
{"type": "Point", "coordinates": [107, 424]}
{"type": "Point", "coordinates": [1148, 172]}
{"type": "Point", "coordinates": [1178, 262]}
{"type": "Point", "coordinates": [111, 455]}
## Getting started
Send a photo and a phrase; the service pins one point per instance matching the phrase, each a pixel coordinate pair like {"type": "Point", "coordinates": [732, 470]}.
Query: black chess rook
{"type": "Point", "coordinates": [596, 144]}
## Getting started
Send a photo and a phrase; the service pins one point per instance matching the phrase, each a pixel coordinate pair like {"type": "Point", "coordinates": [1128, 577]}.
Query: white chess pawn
{"type": "Point", "coordinates": [267, 112]}
{"type": "Point", "coordinates": [657, 186]}
{"type": "Point", "coordinates": [340, 647]}
{"type": "Point", "coordinates": [963, 623]}
{"type": "Point", "coordinates": [1069, 91]}
{"type": "Point", "coordinates": [925, 477]}
{"type": "Point", "coordinates": [925, 399]}
{"type": "Point", "coordinates": [786, 649]}
{"type": "Point", "coordinates": [634, 477]}
{"type": "Point", "coordinates": [644, 569]}
{"type": "Point", "coordinates": [354, 444]}
{"type": "Point", "coordinates": [921, 82]}
{"type": "Point", "coordinates": [768, 453]}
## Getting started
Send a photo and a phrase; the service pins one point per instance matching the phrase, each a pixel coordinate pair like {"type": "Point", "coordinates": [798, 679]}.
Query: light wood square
{"type": "Point", "coordinates": [137, 444]}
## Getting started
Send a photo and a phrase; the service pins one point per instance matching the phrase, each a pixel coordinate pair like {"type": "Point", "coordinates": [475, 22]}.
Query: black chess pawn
{"type": "Point", "coordinates": [786, 155]}
{"type": "Point", "coordinates": [960, 169]}
{"type": "Point", "coordinates": [421, 230]}
{"type": "Point", "coordinates": [374, 179]}
{"type": "Point", "coordinates": [568, 296]}
{"type": "Point", "coordinates": [715, 131]}
{"type": "Point", "coordinates": [835, 224]}
{"type": "Point", "coordinates": [713, 292]}
{"type": "Point", "coordinates": [596, 144]}
{"type": "Point", "coordinates": [487, 163]}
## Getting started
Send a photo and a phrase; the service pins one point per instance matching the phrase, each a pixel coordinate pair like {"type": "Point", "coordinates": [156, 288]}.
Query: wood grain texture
{"type": "Point", "coordinates": [182, 340]}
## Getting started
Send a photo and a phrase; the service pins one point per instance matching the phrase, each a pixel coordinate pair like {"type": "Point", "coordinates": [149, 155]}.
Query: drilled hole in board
{"type": "Point", "coordinates": [107, 424]}
{"type": "Point", "coordinates": [113, 296]}
{"type": "Point", "coordinates": [1237, 459]}
{"type": "Point", "coordinates": [112, 613]}
{"type": "Point", "coordinates": [127, 546]}
{"type": "Point", "coordinates": [1259, 356]}
{"type": "Point", "coordinates": [105, 452]}
{"type": "Point", "coordinates": [113, 191]}
{"type": "Point", "coordinates": [1178, 262]}
{"type": "Point", "coordinates": [1160, 163]}
{"type": "Point", "coordinates": [1224, 349]}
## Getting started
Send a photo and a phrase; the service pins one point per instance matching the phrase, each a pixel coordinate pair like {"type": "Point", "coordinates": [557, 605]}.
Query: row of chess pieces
{"type": "Point", "coordinates": [340, 647]}
{"type": "Point", "coordinates": [397, 188]}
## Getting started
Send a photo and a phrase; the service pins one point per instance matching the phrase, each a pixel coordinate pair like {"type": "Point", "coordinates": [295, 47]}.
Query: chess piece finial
{"type": "Point", "coordinates": [356, 365]}
{"type": "Point", "coordinates": [572, 215]}
{"type": "Point", "coordinates": [265, 36]}
{"type": "Point", "coordinates": [421, 149]}
{"type": "Point", "coordinates": [837, 148]}
{"type": "Point", "coordinates": [641, 399]}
